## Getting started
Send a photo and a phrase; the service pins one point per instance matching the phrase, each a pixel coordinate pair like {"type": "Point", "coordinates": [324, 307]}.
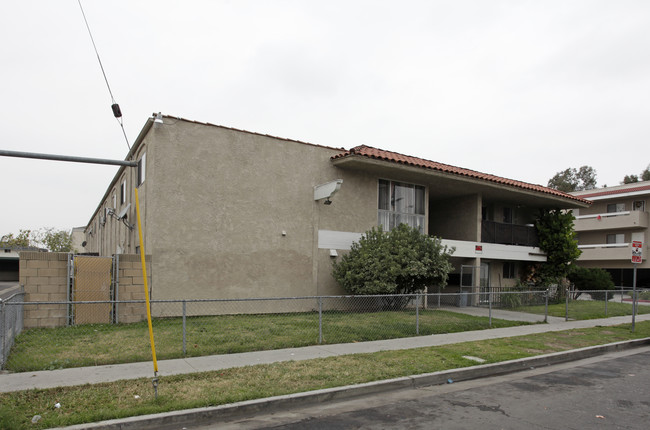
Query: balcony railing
{"type": "Point", "coordinates": [605, 251]}
{"type": "Point", "coordinates": [612, 221]}
{"type": "Point", "coordinates": [508, 234]}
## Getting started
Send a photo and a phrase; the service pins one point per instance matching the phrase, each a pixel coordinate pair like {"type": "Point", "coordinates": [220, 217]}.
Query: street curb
{"type": "Point", "coordinates": [200, 416]}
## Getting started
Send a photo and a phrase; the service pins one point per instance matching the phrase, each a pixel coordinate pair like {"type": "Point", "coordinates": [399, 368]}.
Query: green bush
{"type": "Point", "coordinates": [401, 261]}
{"type": "Point", "coordinates": [590, 279]}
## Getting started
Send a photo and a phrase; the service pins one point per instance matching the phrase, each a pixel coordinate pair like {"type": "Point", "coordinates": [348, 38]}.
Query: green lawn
{"type": "Point", "coordinates": [99, 344]}
{"type": "Point", "coordinates": [90, 403]}
{"type": "Point", "coordinates": [585, 309]}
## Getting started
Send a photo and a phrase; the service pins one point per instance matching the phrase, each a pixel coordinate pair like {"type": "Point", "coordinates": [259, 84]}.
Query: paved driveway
{"type": "Point", "coordinates": [4, 286]}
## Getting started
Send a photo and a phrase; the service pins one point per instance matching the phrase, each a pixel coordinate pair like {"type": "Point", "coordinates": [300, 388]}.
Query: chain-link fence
{"type": "Point", "coordinates": [11, 323]}
{"type": "Point", "coordinates": [186, 328]}
{"type": "Point", "coordinates": [590, 304]}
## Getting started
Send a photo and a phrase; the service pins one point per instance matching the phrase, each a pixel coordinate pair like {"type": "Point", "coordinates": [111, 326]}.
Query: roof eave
{"type": "Point", "coordinates": [563, 200]}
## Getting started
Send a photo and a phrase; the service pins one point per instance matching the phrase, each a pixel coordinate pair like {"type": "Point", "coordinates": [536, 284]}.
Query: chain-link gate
{"type": "Point", "coordinates": [468, 276]}
{"type": "Point", "coordinates": [90, 279]}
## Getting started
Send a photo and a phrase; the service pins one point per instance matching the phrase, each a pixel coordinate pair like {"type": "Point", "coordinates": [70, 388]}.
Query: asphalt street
{"type": "Point", "coordinates": [610, 391]}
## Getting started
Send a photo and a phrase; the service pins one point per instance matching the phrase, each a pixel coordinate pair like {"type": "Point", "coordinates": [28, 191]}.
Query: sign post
{"type": "Point", "coordinates": [637, 253]}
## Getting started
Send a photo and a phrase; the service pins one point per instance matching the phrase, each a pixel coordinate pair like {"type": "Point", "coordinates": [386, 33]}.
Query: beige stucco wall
{"type": "Point", "coordinates": [457, 218]}
{"type": "Point", "coordinates": [218, 201]}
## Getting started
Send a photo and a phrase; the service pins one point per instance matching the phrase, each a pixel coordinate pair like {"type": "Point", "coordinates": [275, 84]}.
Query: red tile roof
{"type": "Point", "coordinates": [606, 192]}
{"type": "Point", "coordinates": [394, 157]}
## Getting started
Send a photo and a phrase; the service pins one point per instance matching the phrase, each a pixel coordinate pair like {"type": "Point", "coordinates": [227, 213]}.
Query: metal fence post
{"type": "Point", "coordinates": [417, 314]}
{"type": "Point", "coordinates": [546, 305]}
{"type": "Point", "coordinates": [566, 306]}
{"type": "Point", "coordinates": [606, 299]}
{"type": "Point", "coordinates": [320, 320]}
{"type": "Point", "coordinates": [116, 286]}
{"type": "Point", "coordinates": [490, 304]}
{"type": "Point", "coordinates": [70, 288]}
{"type": "Point", "coordinates": [3, 327]}
{"type": "Point", "coordinates": [184, 328]}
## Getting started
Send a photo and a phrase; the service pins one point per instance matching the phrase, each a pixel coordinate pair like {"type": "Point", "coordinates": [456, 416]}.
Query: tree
{"type": "Point", "coordinates": [591, 279]}
{"type": "Point", "coordinates": [587, 177]}
{"type": "Point", "coordinates": [55, 240]}
{"type": "Point", "coordinates": [52, 239]}
{"type": "Point", "coordinates": [645, 175]}
{"type": "Point", "coordinates": [630, 179]}
{"type": "Point", "coordinates": [401, 261]}
{"type": "Point", "coordinates": [22, 240]}
{"type": "Point", "coordinates": [558, 240]}
{"type": "Point", "coordinates": [574, 180]}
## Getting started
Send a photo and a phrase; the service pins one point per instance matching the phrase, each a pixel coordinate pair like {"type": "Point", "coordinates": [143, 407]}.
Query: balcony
{"type": "Point", "coordinates": [612, 221]}
{"type": "Point", "coordinates": [508, 234]}
{"type": "Point", "coordinates": [605, 251]}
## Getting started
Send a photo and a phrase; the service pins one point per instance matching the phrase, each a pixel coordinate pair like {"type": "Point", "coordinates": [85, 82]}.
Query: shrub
{"type": "Point", "coordinates": [401, 261]}
{"type": "Point", "coordinates": [590, 279]}
{"type": "Point", "coordinates": [510, 300]}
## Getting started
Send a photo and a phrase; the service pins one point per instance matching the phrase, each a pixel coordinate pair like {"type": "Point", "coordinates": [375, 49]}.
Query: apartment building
{"type": "Point", "coordinates": [608, 228]}
{"type": "Point", "coordinates": [229, 213]}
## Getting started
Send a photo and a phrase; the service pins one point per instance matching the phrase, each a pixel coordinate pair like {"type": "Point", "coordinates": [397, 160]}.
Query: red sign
{"type": "Point", "coordinates": [637, 251]}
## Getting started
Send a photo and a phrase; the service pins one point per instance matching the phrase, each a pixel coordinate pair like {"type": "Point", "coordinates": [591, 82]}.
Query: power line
{"type": "Point", "coordinates": [114, 106]}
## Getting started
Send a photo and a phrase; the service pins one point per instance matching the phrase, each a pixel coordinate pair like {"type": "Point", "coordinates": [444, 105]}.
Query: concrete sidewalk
{"type": "Point", "coordinates": [10, 382]}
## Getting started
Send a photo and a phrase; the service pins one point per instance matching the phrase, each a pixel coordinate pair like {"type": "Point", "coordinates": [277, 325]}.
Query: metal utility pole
{"type": "Point", "coordinates": [69, 158]}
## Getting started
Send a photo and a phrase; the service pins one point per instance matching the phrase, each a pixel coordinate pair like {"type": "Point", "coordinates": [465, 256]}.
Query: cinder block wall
{"type": "Point", "coordinates": [44, 277]}
{"type": "Point", "coordinates": [131, 287]}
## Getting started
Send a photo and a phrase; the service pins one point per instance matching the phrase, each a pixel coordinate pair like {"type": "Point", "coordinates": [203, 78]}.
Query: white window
{"type": "Point", "coordinates": [400, 203]}
{"type": "Point", "coordinates": [142, 167]}
{"type": "Point", "coordinates": [615, 238]}
{"type": "Point", "coordinates": [123, 192]}
{"type": "Point", "coordinates": [615, 207]}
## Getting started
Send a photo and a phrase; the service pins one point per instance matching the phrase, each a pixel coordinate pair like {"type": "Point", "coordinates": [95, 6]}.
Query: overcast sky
{"type": "Point", "coordinates": [519, 89]}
